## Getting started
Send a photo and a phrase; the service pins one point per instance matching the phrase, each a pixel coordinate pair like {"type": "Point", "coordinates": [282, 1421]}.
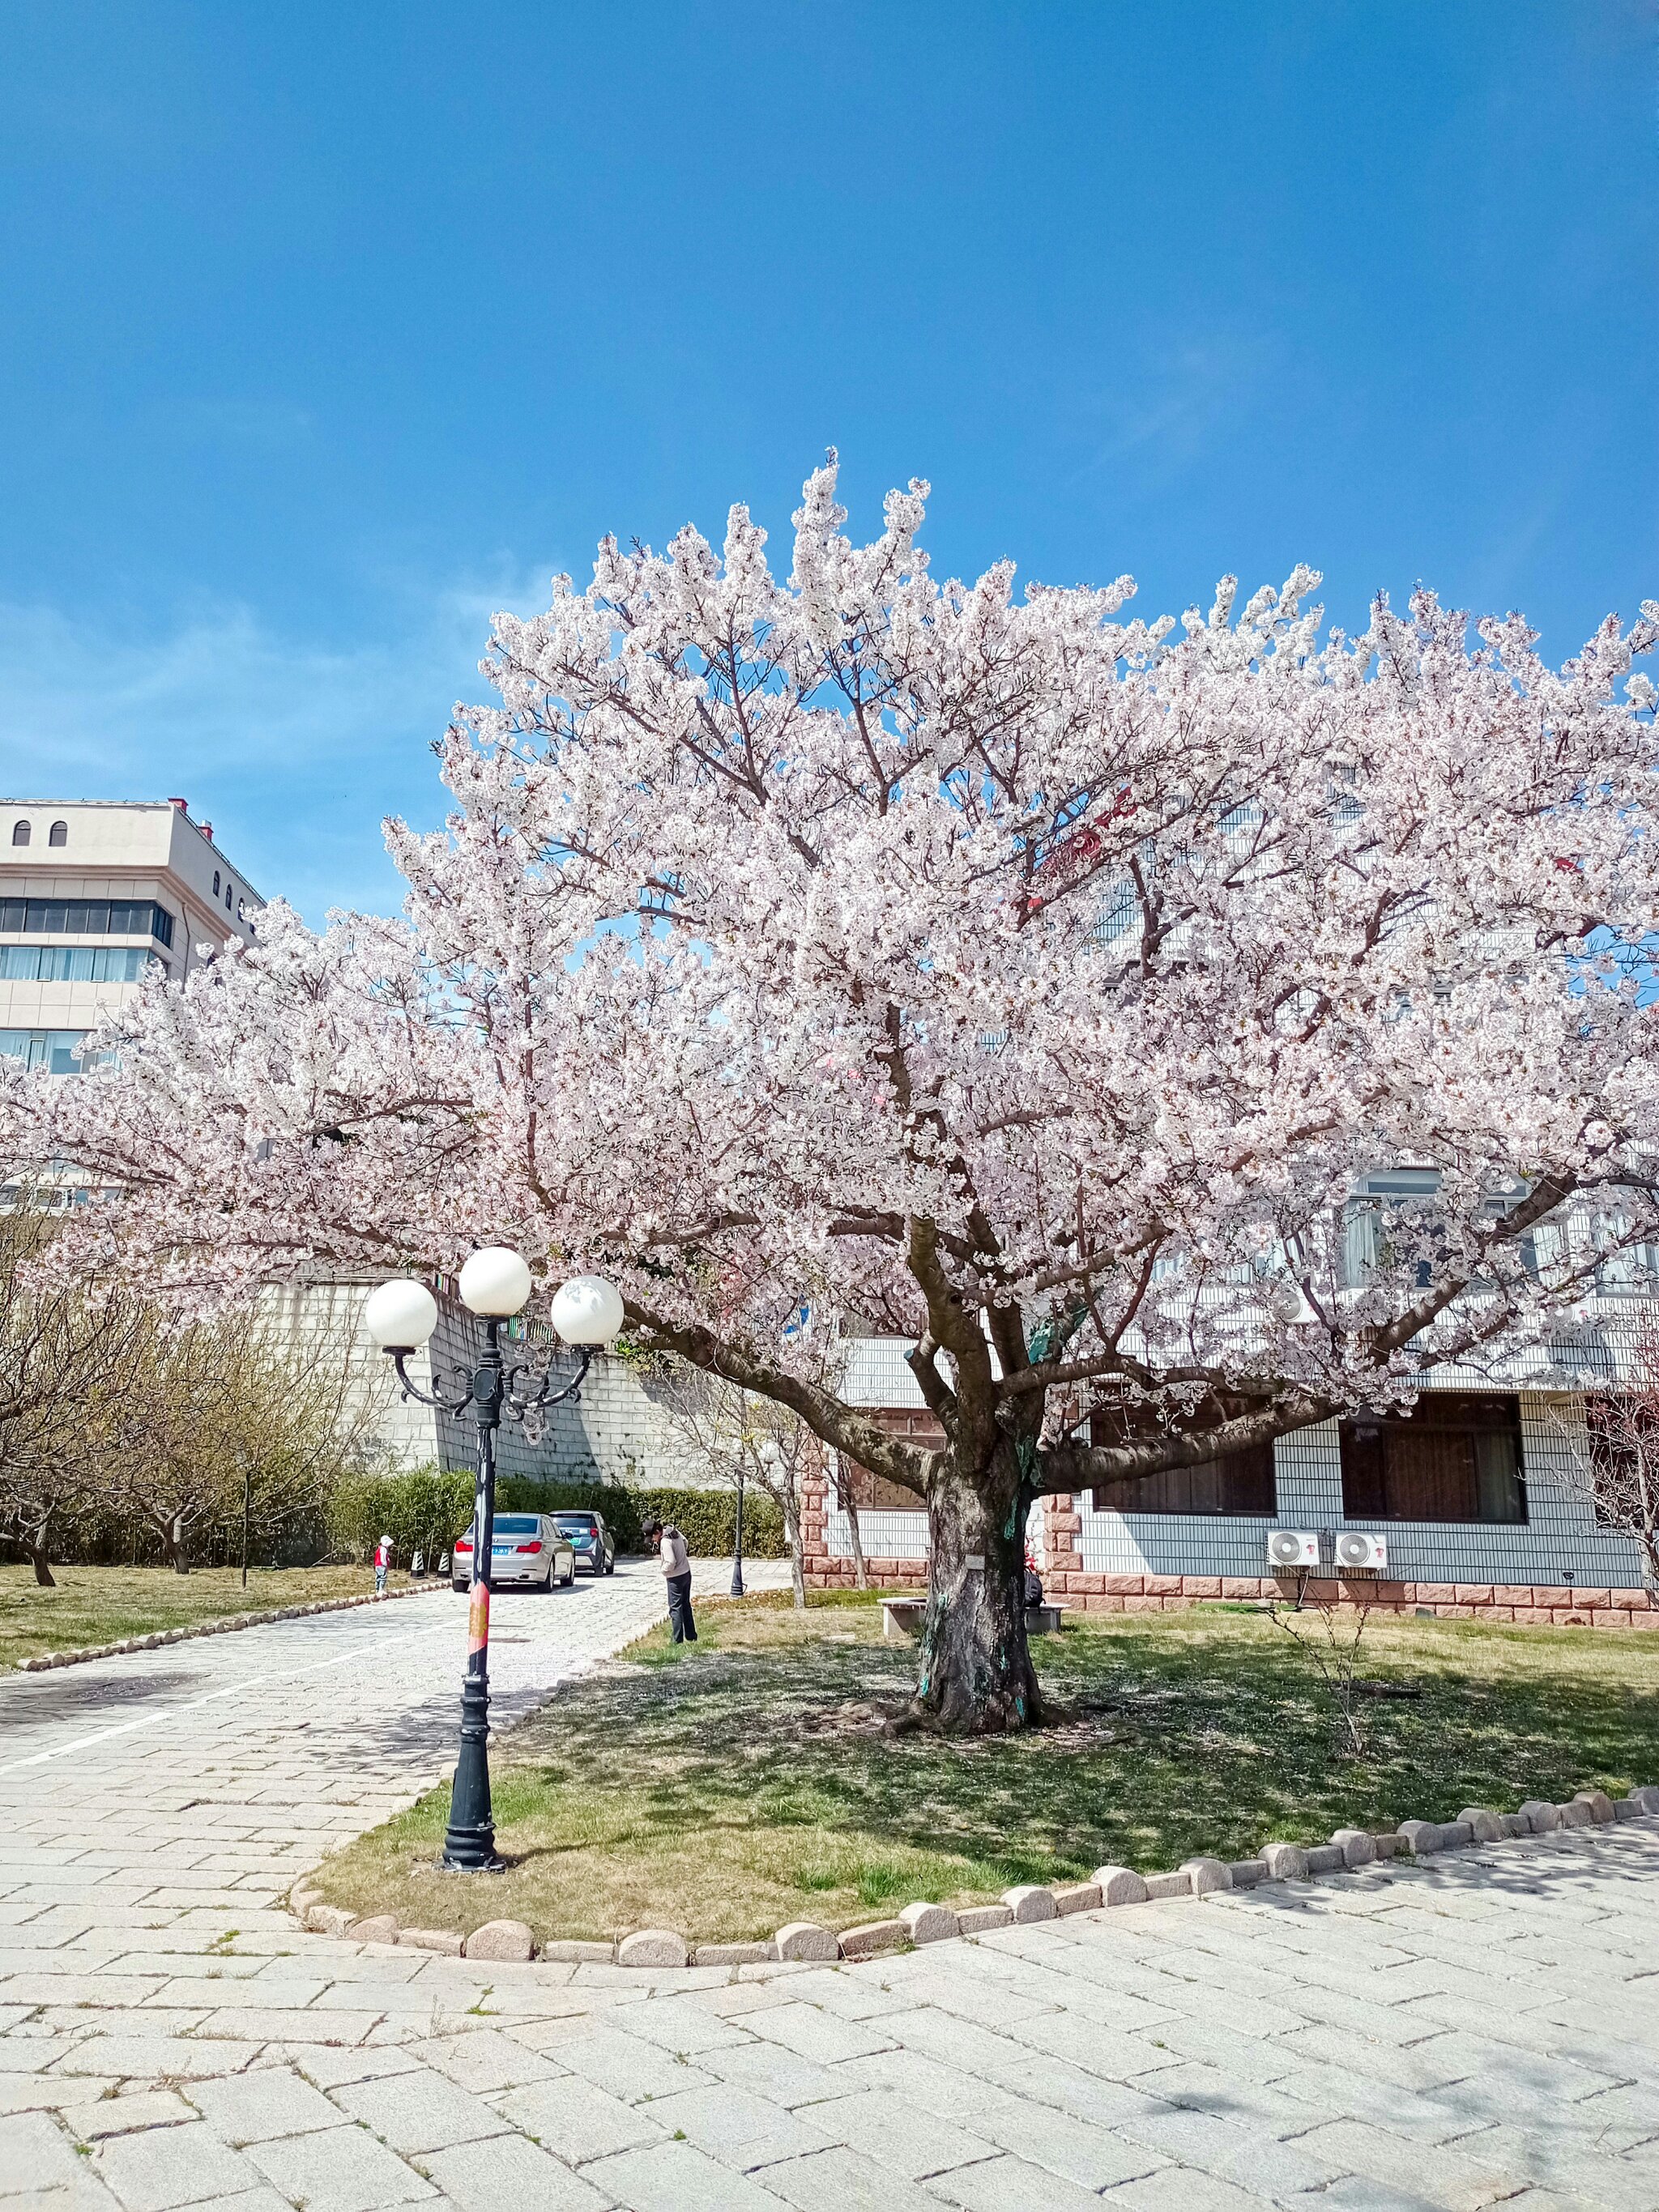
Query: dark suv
{"type": "Point", "coordinates": [589, 1540]}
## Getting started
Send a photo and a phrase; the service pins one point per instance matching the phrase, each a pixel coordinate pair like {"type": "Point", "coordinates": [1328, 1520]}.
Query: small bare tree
{"type": "Point", "coordinates": [242, 1419]}
{"type": "Point", "coordinates": [66, 1356]}
{"type": "Point", "coordinates": [845, 1476]}
{"type": "Point", "coordinates": [725, 1430]}
{"type": "Point", "coordinates": [1330, 1637]}
{"type": "Point", "coordinates": [1611, 1458]}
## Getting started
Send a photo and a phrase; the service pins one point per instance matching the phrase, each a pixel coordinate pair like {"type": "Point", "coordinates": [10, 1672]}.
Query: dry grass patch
{"type": "Point", "coordinates": [724, 1787]}
{"type": "Point", "coordinates": [103, 1605]}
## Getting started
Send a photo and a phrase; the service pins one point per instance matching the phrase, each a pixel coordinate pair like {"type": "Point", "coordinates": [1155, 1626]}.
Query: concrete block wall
{"type": "Point", "coordinates": [618, 1431]}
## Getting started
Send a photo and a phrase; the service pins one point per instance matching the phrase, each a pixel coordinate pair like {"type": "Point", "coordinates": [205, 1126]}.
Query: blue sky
{"type": "Point", "coordinates": [329, 330]}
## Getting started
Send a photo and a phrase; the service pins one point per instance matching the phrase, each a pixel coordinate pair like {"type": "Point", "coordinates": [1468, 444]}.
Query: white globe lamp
{"type": "Point", "coordinates": [401, 1314]}
{"type": "Point", "coordinates": [586, 1309]}
{"type": "Point", "coordinates": [494, 1282]}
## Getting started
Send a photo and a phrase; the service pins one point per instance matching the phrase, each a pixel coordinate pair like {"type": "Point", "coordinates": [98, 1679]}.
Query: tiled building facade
{"type": "Point", "coordinates": [1533, 1547]}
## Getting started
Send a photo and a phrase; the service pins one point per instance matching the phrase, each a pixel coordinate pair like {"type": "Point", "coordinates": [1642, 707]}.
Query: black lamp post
{"type": "Point", "coordinates": [400, 1317]}
{"type": "Point", "coordinates": [737, 1548]}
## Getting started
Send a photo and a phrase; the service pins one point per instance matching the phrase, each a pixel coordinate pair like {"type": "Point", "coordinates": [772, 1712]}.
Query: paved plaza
{"type": "Point", "coordinates": [1480, 2029]}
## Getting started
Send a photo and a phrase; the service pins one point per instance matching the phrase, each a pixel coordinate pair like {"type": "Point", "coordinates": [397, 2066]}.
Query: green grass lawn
{"type": "Point", "coordinates": [102, 1605]}
{"type": "Point", "coordinates": [724, 1787]}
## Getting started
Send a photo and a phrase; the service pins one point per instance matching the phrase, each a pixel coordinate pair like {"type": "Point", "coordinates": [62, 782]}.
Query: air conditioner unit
{"type": "Point", "coordinates": [1291, 1548]}
{"type": "Point", "coordinates": [1358, 1547]}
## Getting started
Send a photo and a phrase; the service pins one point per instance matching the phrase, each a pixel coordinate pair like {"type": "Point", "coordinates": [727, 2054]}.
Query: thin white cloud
{"type": "Point", "coordinates": [1166, 406]}
{"type": "Point", "coordinates": [235, 421]}
{"type": "Point", "coordinates": [293, 747]}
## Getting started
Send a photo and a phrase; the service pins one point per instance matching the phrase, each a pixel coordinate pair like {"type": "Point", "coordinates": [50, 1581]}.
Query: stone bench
{"type": "Point", "coordinates": [901, 1618]}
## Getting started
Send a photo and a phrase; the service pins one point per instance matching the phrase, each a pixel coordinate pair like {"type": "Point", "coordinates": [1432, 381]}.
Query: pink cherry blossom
{"type": "Point", "coordinates": [862, 952]}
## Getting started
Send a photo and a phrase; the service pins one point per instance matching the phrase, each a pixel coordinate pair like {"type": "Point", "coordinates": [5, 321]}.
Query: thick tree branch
{"type": "Point", "coordinates": [1076, 1467]}
{"type": "Point", "coordinates": [844, 1428]}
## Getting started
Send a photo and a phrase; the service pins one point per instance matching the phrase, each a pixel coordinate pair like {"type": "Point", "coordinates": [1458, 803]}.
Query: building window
{"type": "Point", "coordinates": [1633, 1272]}
{"type": "Point", "coordinates": [52, 1049]}
{"type": "Point", "coordinates": [229, 890]}
{"type": "Point", "coordinates": [215, 883]}
{"type": "Point", "coordinates": [86, 918]}
{"type": "Point", "coordinates": [241, 910]}
{"type": "Point", "coordinates": [1242, 1482]}
{"type": "Point", "coordinates": [1238, 1482]}
{"type": "Point", "coordinates": [20, 833]}
{"type": "Point", "coordinates": [1456, 1457]}
{"type": "Point", "coordinates": [1372, 1225]}
{"type": "Point", "coordinates": [72, 964]}
{"type": "Point", "coordinates": [874, 1493]}
{"type": "Point", "coordinates": [58, 833]}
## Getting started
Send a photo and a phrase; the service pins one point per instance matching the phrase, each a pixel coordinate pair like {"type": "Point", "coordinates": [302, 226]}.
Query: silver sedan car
{"type": "Point", "coordinates": [526, 1552]}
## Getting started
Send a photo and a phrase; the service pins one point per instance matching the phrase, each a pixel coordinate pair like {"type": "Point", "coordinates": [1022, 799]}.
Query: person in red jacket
{"type": "Point", "coordinates": [382, 1565]}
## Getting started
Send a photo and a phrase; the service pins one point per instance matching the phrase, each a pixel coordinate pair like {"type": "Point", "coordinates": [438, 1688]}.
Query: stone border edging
{"type": "Point", "coordinates": [654, 1948]}
{"type": "Point", "coordinates": [43, 1661]}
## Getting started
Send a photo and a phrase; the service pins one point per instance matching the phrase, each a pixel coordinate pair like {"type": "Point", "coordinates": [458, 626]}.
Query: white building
{"type": "Point", "coordinates": [91, 890]}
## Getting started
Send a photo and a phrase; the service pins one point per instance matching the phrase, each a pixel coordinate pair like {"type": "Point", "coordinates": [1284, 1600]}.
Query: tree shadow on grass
{"type": "Point", "coordinates": [1181, 1744]}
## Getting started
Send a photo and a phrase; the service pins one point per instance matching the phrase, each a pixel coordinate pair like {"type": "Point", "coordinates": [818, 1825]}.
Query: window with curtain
{"type": "Point", "coordinates": [46, 917]}
{"type": "Point", "coordinates": [874, 1493]}
{"type": "Point", "coordinates": [1456, 1457]}
{"type": "Point", "coordinates": [72, 964]}
{"type": "Point", "coordinates": [1238, 1482]}
{"type": "Point", "coordinates": [1624, 1458]}
{"type": "Point", "coordinates": [52, 1049]}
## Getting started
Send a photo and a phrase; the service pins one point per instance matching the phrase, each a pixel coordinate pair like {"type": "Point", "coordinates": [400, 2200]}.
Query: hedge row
{"type": "Point", "coordinates": [425, 1510]}
{"type": "Point", "coordinates": [97, 1540]}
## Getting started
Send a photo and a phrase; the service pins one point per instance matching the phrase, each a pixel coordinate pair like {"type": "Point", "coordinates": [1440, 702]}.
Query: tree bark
{"type": "Point", "coordinates": [791, 1505]}
{"type": "Point", "coordinates": [34, 1548]}
{"type": "Point", "coordinates": [43, 1577]}
{"type": "Point", "coordinates": [173, 1539]}
{"type": "Point", "coordinates": [857, 1538]}
{"type": "Point", "coordinates": [847, 1498]}
{"type": "Point", "coordinates": [976, 1676]}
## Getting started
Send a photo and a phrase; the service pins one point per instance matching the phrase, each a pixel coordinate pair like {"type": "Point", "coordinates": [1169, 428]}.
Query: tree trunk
{"type": "Point", "coordinates": [172, 1532]}
{"type": "Point", "coordinates": [34, 1548]}
{"type": "Point", "coordinates": [1647, 1539]}
{"type": "Point", "coordinates": [976, 1676]}
{"type": "Point", "coordinates": [847, 1498]}
{"type": "Point", "coordinates": [791, 1504]}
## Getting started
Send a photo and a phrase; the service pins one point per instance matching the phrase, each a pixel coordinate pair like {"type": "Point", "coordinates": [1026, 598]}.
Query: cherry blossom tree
{"type": "Point", "coordinates": [1044, 983]}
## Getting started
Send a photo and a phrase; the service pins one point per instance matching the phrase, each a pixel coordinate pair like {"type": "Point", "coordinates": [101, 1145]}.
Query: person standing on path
{"type": "Point", "coordinates": [670, 1548]}
{"type": "Point", "coordinates": [382, 1565]}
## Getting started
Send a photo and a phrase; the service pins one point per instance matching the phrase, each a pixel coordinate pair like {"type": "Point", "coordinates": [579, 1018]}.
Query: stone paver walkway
{"type": "Point", "coordinates": [1482, 2028]}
